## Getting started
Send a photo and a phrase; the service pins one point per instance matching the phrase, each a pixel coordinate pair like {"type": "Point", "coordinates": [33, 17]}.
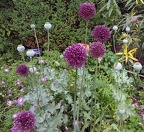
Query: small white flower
{"type": "Point", "coordinates": [125, 41]}
{"type": "Point", "coordinates": [128, 29]}
{"type": "Point", "coordinates": [137, 66]}
{"type": "Point", "coordinates": [115, 28]}
{"type": "Point", "coordinates": [32, 26]}
{"type": "Point", "coordinates": [32, 69]}
{"type": "Point", "coordinates": [121, 111]}
{"type": "Point", "coordinates": [20, 48]}
{"type": "Point", "coordinates": [117, 66]}
{"type": "Point", "coordinates": [61, 56]}
{"type": "Point", "coordinates": [30, 53]}
{"type": "Point", "coordinates": [47, 26]}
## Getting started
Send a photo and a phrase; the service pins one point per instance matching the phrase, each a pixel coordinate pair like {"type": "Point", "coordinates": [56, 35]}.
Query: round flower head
{"type": "Point", "coordinates": [22, 70]}
{"type": "Point", "coordinates": [101, 33]}
{"type": "Point", "coordinates": [87, 10]}
{"type": "Point", "coordinates": [75, 55]}
{"type": "Point", "coordinates": [97, 49]}
{"type": "Point", "coordinates": [24, 121]}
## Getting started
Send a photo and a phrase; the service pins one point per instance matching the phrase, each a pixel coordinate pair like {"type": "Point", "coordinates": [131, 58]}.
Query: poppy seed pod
{"type": "Point", "coordinates": [117, 66]}
{"type": "Point", "coordinates": [137, 66]}
{"type": "Point", "coordinates": [30, 53]}
{"type": "Point", "coordinates": [32, 69]}
{"type": "Point", "coordinates": [20, 48]}
{"type": "Point", "coordinates": [115, 28]}
{"type": "Point", "coordinates": [32, 26]}
{"type": "Point", "coordinates": [47, 26]}
{"type": "Point", "coordinates": [128, 29]}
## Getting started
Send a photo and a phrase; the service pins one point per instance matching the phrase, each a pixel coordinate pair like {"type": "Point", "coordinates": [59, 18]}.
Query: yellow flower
{"type": "Point", "coordinates": [127, 55]}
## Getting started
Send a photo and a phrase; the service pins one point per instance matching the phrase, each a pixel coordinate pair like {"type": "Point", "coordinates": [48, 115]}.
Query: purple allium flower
{"type": "Point", "coordinates": [87, 10]}
{"type": "Point", "coordinates": [97, 49]}
{"type": "Point", "coordinates": [3, 83]}
{"type": "Point", "coordinates": [24, 121]}
{"type": "Point", "coordinates": [44, 79]}
{"type": "Point", "coordinates": [66, 129]}
{"type": "Point", "coordinates": [41, 62]}
{"type": "Point", "coordinates": [22, 70]}
{"type": "Point", "coordinates": [21, 90]}
{"type": "Point", "coordinates": [9, 102]}
{"type": "Point", "coordinates": [101, 33]}
{"type": "Point", "coordinates": [20, 101]}
{"type": "Point", "coordinates": [75, 55]}
{"type": "Point", "coordinates": [18, 83]}
{"type": "Point", "coordinates": [10, 91]}
{"type": "Point", "coordinates": [6, 70]}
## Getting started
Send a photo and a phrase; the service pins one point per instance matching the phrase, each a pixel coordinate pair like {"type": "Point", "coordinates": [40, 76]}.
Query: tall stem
{"type": "Point", "coordinates": [34, 78]}
{"type": "Point", "coordinates": [93, 96]}
{"type": "Point", "coordinates": [114, 46]}
{"type": "Point", "coordinates": [81, 88]}
{"type": "Point", "coordinates": [86, 31]}
{"type": "Point", "coordinates": [81, 92]}
{"type": "Point", "coordinates": [48, 39]}
{"type": "Point", "coordinates": [94, 86]}
{"type": "Point", "coordinates": [37, 41]}
{"type": "Point", "coordinates": [23, 57]}
{"type": "Point", "coordinates": [75, 93]}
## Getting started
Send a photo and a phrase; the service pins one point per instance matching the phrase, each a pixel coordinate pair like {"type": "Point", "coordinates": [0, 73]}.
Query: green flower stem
{"type": "Point", "coordinates": [48, 39]}
{"type": "Point", "coordinates": [86, 31]}
{"type": "Point", "coordinates": [121, 123]}
{"type": "Point", "coordinates": [22, 54]}
{"type": "Point", "coordinates": [35, 81]}
{"type": "Point", "coordinates": [114, 46]}
{"type": "Point", "coordinates": [81, 88]}
{"type": "Point", "coordinates": [93, 96]}
{"type": "Point", "coordinates": [75, 107]}
{"type": "Point", "coordinates": [94, 85]}
{"type": "Point", "coordinates": [133, 73]}
{"type": "Point", "coordinates": [81, 92]}
{"type": "Point", "coordinates": [37, 41]}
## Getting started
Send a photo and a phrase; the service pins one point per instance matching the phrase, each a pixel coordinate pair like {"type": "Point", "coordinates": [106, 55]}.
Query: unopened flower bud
{"type": "Point", "coordinates": [47, 26]}
{"type": "Point", "coordinates": [115, 28]}
{"type": "Point", "coordinates": [128, 29]}
{"type": "Point", "coordinates": [20, 48]}
{"type": "Point", "coordinates": [32, 26]}
{"type": "Point", "coordinates": [32, 69]}
{"type": "Point", "coordinates": [117, 66]}
{"type": "Point", "coordinates": [30, 53]}
{"type": "Point", "coordinates": [137, 66]}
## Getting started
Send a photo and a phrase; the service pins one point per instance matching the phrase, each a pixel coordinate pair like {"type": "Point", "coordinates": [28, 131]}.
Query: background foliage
{"type": "Point", "coordinates": [67, 27]}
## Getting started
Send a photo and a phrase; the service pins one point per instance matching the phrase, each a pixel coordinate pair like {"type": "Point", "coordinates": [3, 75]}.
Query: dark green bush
{"type": "Point", "coordinates": [16, 16]}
